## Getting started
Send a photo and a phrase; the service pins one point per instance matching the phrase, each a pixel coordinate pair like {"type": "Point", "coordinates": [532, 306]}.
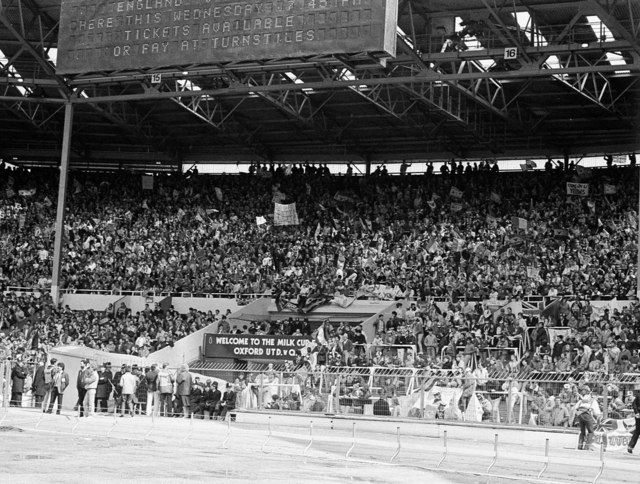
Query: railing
{"type": "Point", "coordinates": [122, 292]}
{"type": "Point", "coordinates": [431, 395]}
{"type": "Point", "coordinates": [223, 295]}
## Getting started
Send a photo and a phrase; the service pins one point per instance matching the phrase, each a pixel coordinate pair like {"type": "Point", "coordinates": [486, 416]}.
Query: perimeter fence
{"type": "Point", "coordinates": [536, 399]}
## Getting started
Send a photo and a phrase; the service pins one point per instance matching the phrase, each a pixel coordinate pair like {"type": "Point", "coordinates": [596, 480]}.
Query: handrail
{"type": "Point", "coordinates": [228, 295]}
{"type": "Point", "coordinates": [371, 372]}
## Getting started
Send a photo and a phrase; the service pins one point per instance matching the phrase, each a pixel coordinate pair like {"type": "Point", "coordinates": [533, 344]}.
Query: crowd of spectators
{"type": "Point", "coordinates": [31, 325]}
{"type": "Point", "coordinates": [449, 235]}
{"type": "Point", "coordinates": [424, 238]}
{"type": "Point", "coordinates": [129, 390]}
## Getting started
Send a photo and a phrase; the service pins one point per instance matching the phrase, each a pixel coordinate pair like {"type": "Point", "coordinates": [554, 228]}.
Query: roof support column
{"type": "Point", "coordinates": [62, 202]}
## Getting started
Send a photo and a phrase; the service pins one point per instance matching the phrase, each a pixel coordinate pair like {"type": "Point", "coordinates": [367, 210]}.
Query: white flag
{"type": "Point", "coordinates": [218, 191]}
{"type": "Point", "coordinates": [285, 214]}
{"type": "Point", "coordinates": [260, 220]}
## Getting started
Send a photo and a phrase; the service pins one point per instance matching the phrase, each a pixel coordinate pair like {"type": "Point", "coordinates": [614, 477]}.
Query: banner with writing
{"type": "Point", "coordinates": [253, 346]}
{"type": "Point", "coordinates": [578, 189]}
{"type": "Point", "coordinates": [615, 433]}
{"type": "Point", "coordinates": [285, 214]}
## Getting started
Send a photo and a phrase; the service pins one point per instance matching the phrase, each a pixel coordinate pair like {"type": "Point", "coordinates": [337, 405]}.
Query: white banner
{"type": "Point", "coordinates": [620, 159]}
{"type": "Point", "coordinates": [380, 291]}
{"type": "Point", "coordinates": [579, 189]}
{"type": "Point", "coordinates": [616, 433]}
{"type": "Point", "coordinates": [285, 214]}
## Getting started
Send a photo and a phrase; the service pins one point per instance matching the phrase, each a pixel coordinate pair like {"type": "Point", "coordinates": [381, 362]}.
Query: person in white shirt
{"type": "Point", "coordinates": [586, 410]}
{"type": "Point", "coordinates": [90, 381]}
{"type": "Point", "coordinates": [129, 383]}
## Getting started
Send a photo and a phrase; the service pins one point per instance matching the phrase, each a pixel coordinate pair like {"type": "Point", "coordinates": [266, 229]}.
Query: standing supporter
{"type": "Point", "coordinates": [18, 376]}
{"type": "Point", "coordinates": [165, 381]}
{"type": "Point", "coordinates": [129, 383]}
{"type": "Point", "coordinates": [636, 413]}
{"type": "Point", "coordinates": [183, 391]}
{"type": "Point", "coordinates": [151, 378]}
{"type": "Point", "coordinates": [90, 383]}
{"type": "Point", "coordinates": [105, 385]}
{"type": "Point", "coordinates": [586, 411]}
{"type": "Point", "coordinates": [79, 407]}
{"type": "Point", "coordinates": [39, 385]}
{"type": "Point", "coordinates": [48, 379]}
{"type": "Point", "coordinates": [116, 385]}
{"type": "Point", "coordinates": [60, 380]}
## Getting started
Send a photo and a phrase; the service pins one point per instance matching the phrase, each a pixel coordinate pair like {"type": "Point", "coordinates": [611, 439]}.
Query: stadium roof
{"type": "Point", "coordinates": [573, 88]}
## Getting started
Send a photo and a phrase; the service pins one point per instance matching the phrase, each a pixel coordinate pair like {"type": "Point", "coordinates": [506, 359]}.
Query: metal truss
{"type": "Point", "coordinates": [298, 105]}
{"type": "Point", "coordinates": [130, 120]}
{"type": "Point", "coordinates": [41, 116]}
{"type": "Point", "coordinates": [585, 79]}
{"type": "Point", "coordinates": [215, 113]}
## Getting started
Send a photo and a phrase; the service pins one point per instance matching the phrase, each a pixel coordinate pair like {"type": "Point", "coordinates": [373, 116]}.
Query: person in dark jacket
{"type": "Point", "coordinates": [228, 402]}
{"type": "Point", "coordinates": [212, 400]}
{"type": "Point", "coordinates": [39, 385]}
{"type": "Point", "coordinates": [196, 400]}
{"type": "Point", "coordinates": [381, 407]}
{"type": "Point", "coordinates": [81, 390]}
{"type": "Point", "coordinates": [18, 375]}
{"type": "Point", "coordinates": [636, 433]}
{"type": "Point", "coordinates": [183, 391]}
{"type": "Point", "coordinates": [117, 388]}
{"type": "Point", "coordinates": [105, 379]}
{"type": "Point", "coordinates": [153, 395]}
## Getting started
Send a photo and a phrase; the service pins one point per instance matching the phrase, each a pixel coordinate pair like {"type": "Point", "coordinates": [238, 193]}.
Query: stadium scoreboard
{"type": "Point", "coordinates": [114, 35]}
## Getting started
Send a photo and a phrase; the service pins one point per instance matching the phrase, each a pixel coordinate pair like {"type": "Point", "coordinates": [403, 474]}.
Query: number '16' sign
{"type": "Point", "coordinates": [511, 53]}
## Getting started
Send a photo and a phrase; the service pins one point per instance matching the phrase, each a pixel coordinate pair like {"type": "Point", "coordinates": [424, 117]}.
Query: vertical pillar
{"type": "Point", "coordinates": [62, 202]}
{"type": "Point", "coordinates": [638, 261]}
{"type": "Point", "coordinates": [368, 165]}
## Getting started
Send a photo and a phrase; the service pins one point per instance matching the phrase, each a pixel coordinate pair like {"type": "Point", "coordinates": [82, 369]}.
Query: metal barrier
{"type": "Point", "coordinates": [532, 399]}
{"type": "Point", "coordinates": [223, 295]}
{"type": "Point", "coordinates": [198, 432]}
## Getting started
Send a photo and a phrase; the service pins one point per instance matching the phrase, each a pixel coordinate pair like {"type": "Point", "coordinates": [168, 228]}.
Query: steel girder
{"type": "Point", "coordinates": [590, 84]}
{"type": "Point", "coordinates": [42, 116]}
{"type": "Point", "coordinates": [212, 111]}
